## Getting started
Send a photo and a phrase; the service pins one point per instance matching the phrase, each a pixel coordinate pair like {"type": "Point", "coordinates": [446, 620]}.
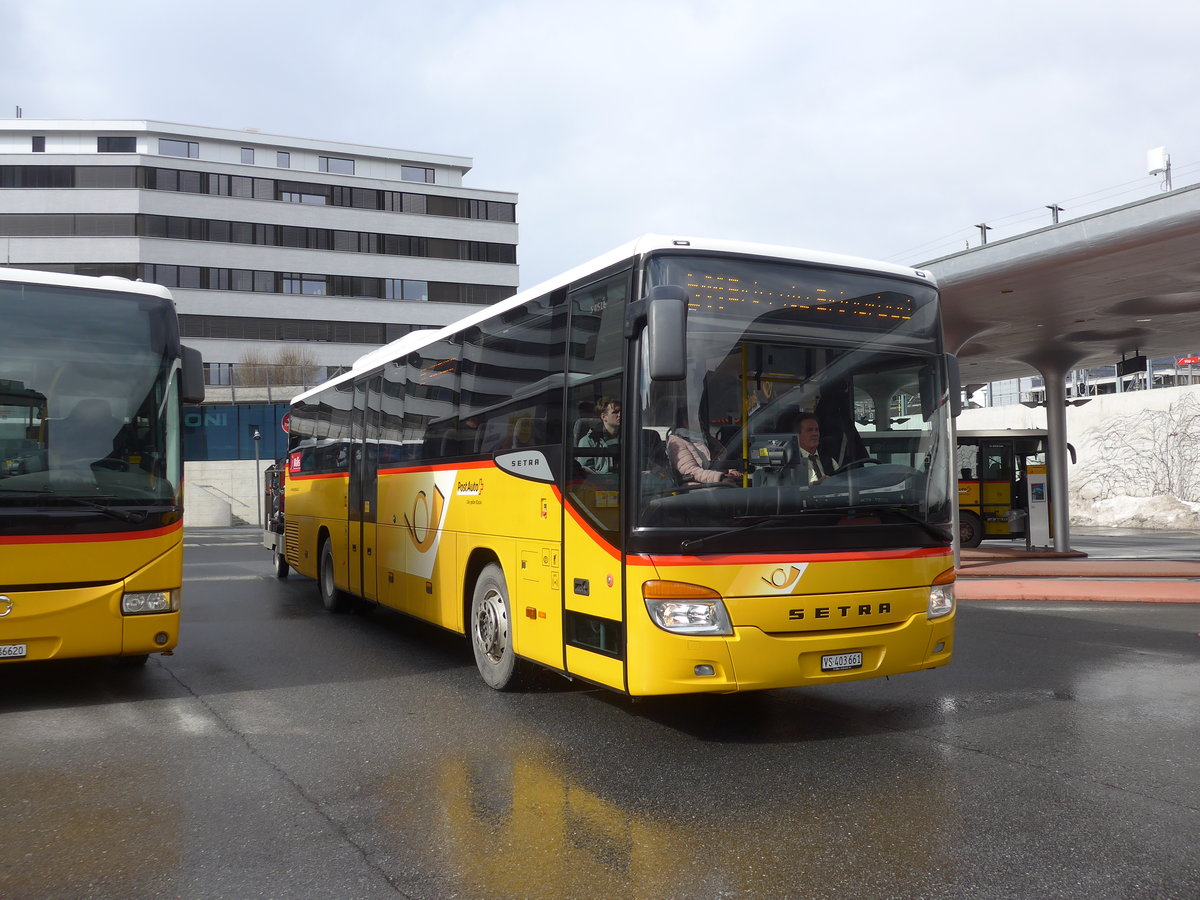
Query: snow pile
{"type": "Point", "coordinates": [1162, 512]}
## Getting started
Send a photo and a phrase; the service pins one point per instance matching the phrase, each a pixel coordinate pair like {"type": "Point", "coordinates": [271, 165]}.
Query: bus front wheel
{"type": "Point", "coordinates": [490, 629]}
{"type": "Point", "coordinates": [970, 529]}
{"type": "Point", "coordinates": [279, 563]}
{"type": "Point", "coordinates": [333, 599]}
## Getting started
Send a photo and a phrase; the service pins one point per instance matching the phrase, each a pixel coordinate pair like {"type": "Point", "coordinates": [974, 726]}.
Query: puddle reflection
{"type": "Point", "coordinates": [522, 824]}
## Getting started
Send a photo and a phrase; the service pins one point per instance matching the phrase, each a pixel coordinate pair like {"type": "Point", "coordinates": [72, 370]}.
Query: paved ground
{"type": "Point", "coordinates": [283, 752]}
{"type": "Point", "coordinates": [1111, 564]}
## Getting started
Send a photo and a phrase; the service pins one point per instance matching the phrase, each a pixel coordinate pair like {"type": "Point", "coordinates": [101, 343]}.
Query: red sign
{"type": "Point", "coordinates": [294, 463]}
{"type": "Point", "coordinates": [1188, 361]}
{"type": "Point", "coordinates": [286, 422]}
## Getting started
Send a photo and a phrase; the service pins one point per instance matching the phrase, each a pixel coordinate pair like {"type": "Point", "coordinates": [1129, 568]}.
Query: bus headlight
{"type": "Point", "coordinates": [140, 602]}
{"type": "Point", "coordinates": [686, 608]}
{"type": "Point", "coordinates": [941, 601]}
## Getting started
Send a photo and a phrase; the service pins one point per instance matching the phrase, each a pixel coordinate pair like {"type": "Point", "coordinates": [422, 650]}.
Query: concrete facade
{"type": "Point", "coordinates": [223, 492]}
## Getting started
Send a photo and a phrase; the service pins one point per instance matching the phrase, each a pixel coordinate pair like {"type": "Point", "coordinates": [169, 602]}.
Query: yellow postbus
{"type": "Point", "coordinates": [91, 489]}
{"type": "Point", "coordinates": [522, 476]}
{"type": "Point", "coordinates": [992, 468]}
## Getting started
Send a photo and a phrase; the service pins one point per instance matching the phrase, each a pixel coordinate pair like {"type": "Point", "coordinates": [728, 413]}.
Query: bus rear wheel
{"type": "Point", "coordinates": [970, 529]}
{"type": "Point", "coordinates": [490, 629]}
{"type": "Point", "coordinates": [333, 599]}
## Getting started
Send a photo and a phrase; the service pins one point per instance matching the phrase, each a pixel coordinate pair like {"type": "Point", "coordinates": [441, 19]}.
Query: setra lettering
{"type": "Point", "coordinates": [844, 612]}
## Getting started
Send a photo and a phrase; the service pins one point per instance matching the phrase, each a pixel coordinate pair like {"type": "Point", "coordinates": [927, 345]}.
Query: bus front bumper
{"type": "Point", "coordinates": [754, 660]}
{"type": "Point", "coordinates": [79, 622]}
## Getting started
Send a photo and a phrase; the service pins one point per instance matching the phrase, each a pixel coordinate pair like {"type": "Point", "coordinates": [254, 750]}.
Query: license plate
{"type": "Point", "coordinates": [836, 662]}
{"type": "Point", "coordinates": [12, 651]}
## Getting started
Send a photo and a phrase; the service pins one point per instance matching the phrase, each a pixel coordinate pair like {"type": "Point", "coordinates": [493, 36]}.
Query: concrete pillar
{"type": "Point", "coordinates": [1057, 457]}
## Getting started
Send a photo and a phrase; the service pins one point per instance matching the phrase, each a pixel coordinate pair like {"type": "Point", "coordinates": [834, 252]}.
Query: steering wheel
{"type": "Point", "coordinates": [856, 463]}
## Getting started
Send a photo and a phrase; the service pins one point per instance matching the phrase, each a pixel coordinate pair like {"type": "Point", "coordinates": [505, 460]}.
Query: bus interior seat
{"type": "Point", "coordinates": [654, 452]}
{"type": "Point", "coordinates": [582, 427]}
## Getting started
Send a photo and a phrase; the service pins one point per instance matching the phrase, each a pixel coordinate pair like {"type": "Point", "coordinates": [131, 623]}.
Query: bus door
{"type": "Point", "coordinates": [592, 560]}
{"type": "Point", "coordinates": [361, 502]}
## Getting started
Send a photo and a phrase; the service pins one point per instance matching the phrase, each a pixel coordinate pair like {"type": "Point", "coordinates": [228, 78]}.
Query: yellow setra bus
{"type": "Point", "coordinates": [607, 475]}
{"type": "Point", "coordinates": [91, 488]}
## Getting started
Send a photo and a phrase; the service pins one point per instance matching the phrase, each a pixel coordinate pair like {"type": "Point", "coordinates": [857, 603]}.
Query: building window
{"type": "Point", "coordinates": [116, 144]}
{"type": "Point", "coordinates": [248, 156]}
{"type": "Point", "coordinates": [397, 289]}
{"type": "Point", "coordinates": [416, 173]}
{"type": "Point", "coordinates": [283, 159]}
{"type": "Point", "coordinates": [39, 143]}
{"type": "Point", "coordinates": [299, 197]}
{"type": "Point", "coordinates": [337, 165]}
{"type": "Point", "coordinates": [236, 328]}
{"type": "Point", "coordinates": [296, 283]}
{"type": "Point", "coordinates": [168, 147]}
{"type": "Point", "coordinates": [220, 374]}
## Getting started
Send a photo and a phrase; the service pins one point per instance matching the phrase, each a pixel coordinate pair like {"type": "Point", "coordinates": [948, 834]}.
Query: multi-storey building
{"type": "Point", "coordinates": [288, 257]}
{"type": "Point", "coordinates": [263, 239]}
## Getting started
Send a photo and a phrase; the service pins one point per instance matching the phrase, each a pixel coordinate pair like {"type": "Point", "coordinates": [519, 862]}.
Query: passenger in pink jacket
{"type": "Point", "coordinates": [691, 457]}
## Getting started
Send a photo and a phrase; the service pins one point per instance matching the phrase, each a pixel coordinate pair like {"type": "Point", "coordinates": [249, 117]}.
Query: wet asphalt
{"type": "Point", "coordinates": [285, 752]}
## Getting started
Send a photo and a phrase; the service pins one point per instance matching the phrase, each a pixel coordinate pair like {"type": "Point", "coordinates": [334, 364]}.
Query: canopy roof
{"type": "Point", "coordinates": [1079, 294]}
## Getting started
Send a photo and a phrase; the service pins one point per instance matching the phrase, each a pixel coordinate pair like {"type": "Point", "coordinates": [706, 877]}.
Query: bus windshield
{"type": "Point", "coordinates": [88, 401]}
{"type": "Point", "coordinates": [762, 444]}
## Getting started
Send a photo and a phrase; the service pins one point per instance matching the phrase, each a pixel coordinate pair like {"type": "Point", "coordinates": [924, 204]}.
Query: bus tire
{"type": "Point", "coordinates": [490, 630]}
{"type": "Point", "coordinates": [279, 563]}
{"type": "Point", "coordinates": [332, 599]}
{"type": "Point", "coordinates": [970, 529]}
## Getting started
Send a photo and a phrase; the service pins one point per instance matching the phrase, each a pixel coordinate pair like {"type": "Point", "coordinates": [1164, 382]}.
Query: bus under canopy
{"type": "Point", "coordinates": [609, 474]}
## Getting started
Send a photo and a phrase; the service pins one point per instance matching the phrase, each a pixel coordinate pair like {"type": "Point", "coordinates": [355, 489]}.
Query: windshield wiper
{"type": "Point", "coordinates": [940, 533]}
{"type": "Point", "coordinates": [698, 543]}
{"type": "Point", "coordinates": [125, 515]}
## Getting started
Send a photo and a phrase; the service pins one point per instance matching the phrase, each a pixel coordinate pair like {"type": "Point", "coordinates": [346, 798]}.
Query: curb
{"type": "Point", "coordinates": [1062, 591]}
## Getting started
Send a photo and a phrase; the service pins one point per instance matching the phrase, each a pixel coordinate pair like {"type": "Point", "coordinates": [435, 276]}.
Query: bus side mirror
{"type": "Point", "coordinates": [666, 333]}
{"type": "Point", "coordinates": [954, 384]}
{"type": "Point", "coordinates": [192, 380]}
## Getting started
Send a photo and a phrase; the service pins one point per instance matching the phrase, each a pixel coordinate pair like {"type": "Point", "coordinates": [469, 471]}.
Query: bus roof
{"type": "Point", "coordinates": [637, 247]}
{"type": "Point", "coordinates": [650, 242]}
{"type": "Point", "coordinates": [85, 282]}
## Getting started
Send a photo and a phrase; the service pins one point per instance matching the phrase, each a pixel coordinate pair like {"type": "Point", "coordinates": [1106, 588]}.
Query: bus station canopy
{"type": "Point", "coordinates": [1080, 294]}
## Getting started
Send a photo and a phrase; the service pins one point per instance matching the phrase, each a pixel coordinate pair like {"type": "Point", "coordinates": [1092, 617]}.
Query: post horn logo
{"type": "Point", "coordinates": [426, 516]}
{"type": "Point", "coordinates": [784, 579]}
{"type": "Point", "coordinates": [6, 606]}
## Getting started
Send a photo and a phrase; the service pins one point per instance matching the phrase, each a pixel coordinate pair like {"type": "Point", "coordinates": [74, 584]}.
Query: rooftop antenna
{"type": "Point", "coordinates": [1055, 209]}
{"type": "Point", "coordinates": [983, 230]}
{"type": "Point", "coordinates": [18, 112]}
{"type": "Point", "coordinates": [1158, 161]}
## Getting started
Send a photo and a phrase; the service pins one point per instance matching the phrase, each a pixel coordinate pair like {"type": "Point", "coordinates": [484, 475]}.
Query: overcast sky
{"type": "Point", "coordinates": [873, 128]}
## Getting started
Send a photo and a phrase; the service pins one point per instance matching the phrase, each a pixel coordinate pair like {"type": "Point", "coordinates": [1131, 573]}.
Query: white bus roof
{"type": "Point", "coordinates": [88, 282]}
{"type": "Point", "coordinates": [644, 244]}
{"type": "Point", "coordinates": [649, 242]}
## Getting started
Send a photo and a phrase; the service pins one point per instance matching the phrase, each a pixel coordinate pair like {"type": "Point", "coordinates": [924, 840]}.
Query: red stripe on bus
{"type": "Point", "coordinates": [649, 560]}
{"type": "Point", "coordinates": [91, 538]}
{"type": "Point", "coordinates": [291, 477]}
